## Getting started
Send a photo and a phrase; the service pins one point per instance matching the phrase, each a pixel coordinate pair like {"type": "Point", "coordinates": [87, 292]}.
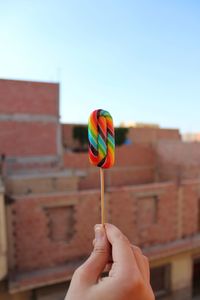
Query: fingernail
{"type": "Point", "coordinates": [99, 232]}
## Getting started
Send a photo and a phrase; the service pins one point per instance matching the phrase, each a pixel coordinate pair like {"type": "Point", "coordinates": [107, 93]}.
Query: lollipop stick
{"type": "Point", "coordinates": [102, 197]}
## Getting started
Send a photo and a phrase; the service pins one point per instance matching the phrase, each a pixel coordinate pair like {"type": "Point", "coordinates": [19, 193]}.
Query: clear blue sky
{"type": "Point", "coordinates": [140, 60]}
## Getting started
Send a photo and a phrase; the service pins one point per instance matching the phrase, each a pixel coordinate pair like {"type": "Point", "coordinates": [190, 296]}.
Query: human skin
{"type": "Point", "coordinates": [129, 276]}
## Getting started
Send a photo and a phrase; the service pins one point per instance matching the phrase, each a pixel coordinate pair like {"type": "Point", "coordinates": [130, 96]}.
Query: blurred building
{"type": "Point", "coordinates": [144, 134]}
{"type": "Point", "coordinates": [191, 137]}
{"type": "Point", "coordinates": [49, 199]}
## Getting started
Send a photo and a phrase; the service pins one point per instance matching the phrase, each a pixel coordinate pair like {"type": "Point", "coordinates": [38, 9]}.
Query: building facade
{"type": "Point", "coordinates": [50, 200]}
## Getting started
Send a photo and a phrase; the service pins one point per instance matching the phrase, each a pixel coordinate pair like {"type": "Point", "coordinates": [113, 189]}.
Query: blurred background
{"type": "Point", "coordinates": [59, 61]}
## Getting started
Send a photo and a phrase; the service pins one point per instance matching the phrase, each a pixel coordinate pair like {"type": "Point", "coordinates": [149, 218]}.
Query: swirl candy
{"type": "Point", "coordinates": [101, 146]}
{"type": "Point", "coordinates": [101, 139]}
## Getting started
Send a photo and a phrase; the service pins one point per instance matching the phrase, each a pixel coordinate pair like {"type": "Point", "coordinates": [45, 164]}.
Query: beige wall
{"type": "Point", "coordinates": [181, 271]}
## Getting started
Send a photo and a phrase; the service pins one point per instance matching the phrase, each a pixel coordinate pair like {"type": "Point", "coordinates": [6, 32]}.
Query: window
{"type": "Point", "coordinates": [61, 222]}
{"type": "Point", "coordinates": [196, 277]}
{"type": "Point", "coordinates": [147, 210]}
{"type": "Point", "coordinates": [160, 280]}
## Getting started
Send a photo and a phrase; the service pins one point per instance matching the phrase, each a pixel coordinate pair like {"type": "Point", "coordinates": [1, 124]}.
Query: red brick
{"type": "Point", "coordinates": [29, 97]}
{"type": "Point", "coordinates": [31, 138]}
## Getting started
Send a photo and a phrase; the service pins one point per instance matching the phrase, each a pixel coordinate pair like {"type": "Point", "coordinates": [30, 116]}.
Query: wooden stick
{"type": "Point", "coordinates": [102, 197]}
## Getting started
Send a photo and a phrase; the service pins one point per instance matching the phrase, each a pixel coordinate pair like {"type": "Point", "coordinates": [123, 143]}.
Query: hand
{"type": "Point", "coordinates": [129, 275]}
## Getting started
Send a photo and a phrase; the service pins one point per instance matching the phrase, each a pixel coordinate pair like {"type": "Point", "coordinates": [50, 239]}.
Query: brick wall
{"type": "Point", "coordinates": [60, 225]}
{"type": "Point", "coordinates": [147, 213]}
{"type": "Point", "coordinates": [28, 139]}
{"type": "Point", "coordinates": [28, 97]}
{"type": "Point", "coordinates": [135, 134]}
{"type": "Point", "coordinates": [50, 232]}
{"type": "Point", "coordinates": [29, 120]}
{"type": "Point", "coordinates": [176, 160]}
{"type": "Point", "coordinates": [152, 135]}
{"type": "Point", "coordinates": [134, 164]}
{"type": "Point", "coordinates": [67, 135]}
{"type": "Point", "coordinates": [73, 160]}
{"type": "Point", "coordinates": [190, 208]}
{"type": "Point", "coordinates": [35, 223]}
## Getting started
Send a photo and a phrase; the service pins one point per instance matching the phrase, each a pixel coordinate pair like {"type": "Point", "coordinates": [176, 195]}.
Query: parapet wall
{"type": "Point", "coordinates": [142, 135]}
{"type": "Point", "coordinates": [27, 97]}
{"type": "Point", "coordinates": [178, 160]}
{"type": "Point", "coordinates": [135, 164]}
{"type": "Point", "coordinates": [152, 135]}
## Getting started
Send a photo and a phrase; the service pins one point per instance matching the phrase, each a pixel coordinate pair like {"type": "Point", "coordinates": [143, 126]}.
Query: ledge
{"type": "Point", "coordinates": [172, 248]}
{"type": "Point", "coordinates": [21, 281]}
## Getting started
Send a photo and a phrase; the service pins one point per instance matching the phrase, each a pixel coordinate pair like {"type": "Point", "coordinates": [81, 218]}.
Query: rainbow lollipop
{"type": "Point", "coordinates": [101, 145]}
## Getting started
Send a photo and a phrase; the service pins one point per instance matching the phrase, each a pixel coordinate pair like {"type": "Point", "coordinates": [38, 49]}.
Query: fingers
{"type": "Point", "coordinates": [130, 269]}
{"type": "Point", "coordinates": [124, 262]}
{"type": "Point", "coordinates": [125, 259]}
{"type": "Point", "coordinates": [90, 271]}
{"type": "Point", "coordinates": [125, 256]}
{"type": "Point", "coordinates": [110, 260]}
{"type": "Point", "coordinates": [142, 262]}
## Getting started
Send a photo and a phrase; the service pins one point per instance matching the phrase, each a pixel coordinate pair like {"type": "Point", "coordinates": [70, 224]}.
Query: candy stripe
{"type": "Point", "coordinates": [101, 139]}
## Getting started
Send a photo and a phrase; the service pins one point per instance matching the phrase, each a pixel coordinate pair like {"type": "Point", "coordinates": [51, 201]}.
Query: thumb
{"type": "Point", "coordinates": [96, 263]}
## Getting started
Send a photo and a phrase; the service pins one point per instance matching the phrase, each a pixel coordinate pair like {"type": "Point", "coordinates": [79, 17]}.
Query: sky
{"type": "Point", "coordinates": [140, 60]}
